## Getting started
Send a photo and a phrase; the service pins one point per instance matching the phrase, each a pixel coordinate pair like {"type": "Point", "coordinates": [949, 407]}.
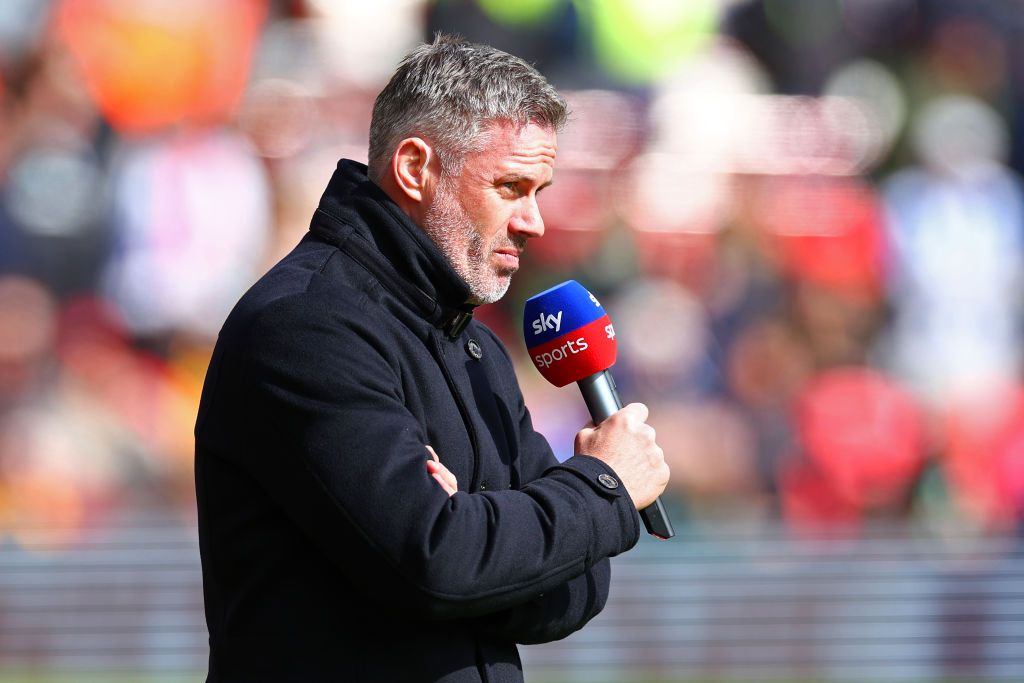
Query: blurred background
{"type": "Point", "coordinates": [805, 217]}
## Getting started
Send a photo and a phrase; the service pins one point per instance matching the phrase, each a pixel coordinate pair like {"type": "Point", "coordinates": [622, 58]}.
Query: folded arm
{"type": "Point", "coordinates": [333, 443]}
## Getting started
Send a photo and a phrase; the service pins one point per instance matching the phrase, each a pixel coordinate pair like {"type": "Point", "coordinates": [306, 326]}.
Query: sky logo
{"type": "Point", "coordinates": [547, 322]}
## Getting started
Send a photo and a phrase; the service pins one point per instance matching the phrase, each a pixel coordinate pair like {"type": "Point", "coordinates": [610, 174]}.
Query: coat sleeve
{"type": "Point", "coordinates": [568, 607]}
{"type": "Point", "coordinates": [555, 614]}
{"type": "Point", "coordinates": [334, 446]}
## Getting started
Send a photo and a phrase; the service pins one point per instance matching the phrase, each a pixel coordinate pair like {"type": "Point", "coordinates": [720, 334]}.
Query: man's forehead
{"type": "Point", "coordinates": [511, 133]}
{"type": "Point", "coordinates": [509, 144]}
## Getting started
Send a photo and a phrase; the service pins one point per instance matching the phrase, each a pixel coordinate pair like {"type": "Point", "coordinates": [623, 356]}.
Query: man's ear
{"type": "Point", "coordinates": [414, 166]}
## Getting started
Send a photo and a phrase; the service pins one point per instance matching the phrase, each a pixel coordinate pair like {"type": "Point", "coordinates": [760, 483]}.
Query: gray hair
{"type": "Point", "coordinates": [450, 92]}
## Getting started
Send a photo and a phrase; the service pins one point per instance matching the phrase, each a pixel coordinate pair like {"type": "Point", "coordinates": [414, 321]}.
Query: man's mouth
{"type": "Point", "coordinates": [508, 257]}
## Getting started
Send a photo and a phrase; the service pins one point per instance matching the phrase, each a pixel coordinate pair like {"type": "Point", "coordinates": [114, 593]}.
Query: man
{"type": "Point", "coordinates": [374, 504]}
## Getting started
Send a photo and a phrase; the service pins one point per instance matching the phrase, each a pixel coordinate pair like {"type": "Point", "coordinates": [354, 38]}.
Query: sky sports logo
{"type": "Point", "coordinates": [568, 334]}
{"type": "Point", "coordinates": [547, 322]}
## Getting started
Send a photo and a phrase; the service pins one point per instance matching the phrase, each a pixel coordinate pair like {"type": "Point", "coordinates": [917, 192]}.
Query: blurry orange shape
{"type": "Point", "coordinates": [149, 65]}
{"type": "Point", "coordinates": [864, 434]}
{"type": "Point", "coordinates": [985, 457]}
{"type": "Point", "coordinates": [827, 231]}
{"type": "Point", "coordinates": [43, 500]}
{"type": "Point", "coordinates": [181, 389]}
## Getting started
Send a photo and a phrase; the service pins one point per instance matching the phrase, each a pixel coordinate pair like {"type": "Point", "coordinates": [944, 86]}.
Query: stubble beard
{"type": "Point", "coordinates": [447, 224]}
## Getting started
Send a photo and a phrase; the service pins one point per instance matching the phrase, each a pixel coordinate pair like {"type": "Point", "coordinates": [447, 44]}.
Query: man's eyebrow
{"type": "Point", "coordinates": [519, 177]}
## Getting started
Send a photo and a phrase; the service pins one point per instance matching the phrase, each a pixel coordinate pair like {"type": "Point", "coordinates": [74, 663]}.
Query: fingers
{"type": "Point", "coordinates": [657, 459]}
{"type": "Point", "coordinates": [441, 474]}
{"type": "Point", "coordinates": [635, 415]}
{"type": "Point", "coordinates": [637, 411]}
{"type": "Point", "coordinates": [443, 477]}
{"type": "Point", "coordinates": [627, 444]}
{"type": "Point", "coordinates": [453, 483]}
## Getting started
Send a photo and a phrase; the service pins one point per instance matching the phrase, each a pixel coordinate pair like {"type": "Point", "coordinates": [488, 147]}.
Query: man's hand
{"type": "Point", "coordinates": [626, 443]}
{"type": "Point", "coordinates": [441, 474]}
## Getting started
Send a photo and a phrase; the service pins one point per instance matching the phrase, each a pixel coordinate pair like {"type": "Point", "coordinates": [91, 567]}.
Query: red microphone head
{"type": "Point", "coordinates": [568, 334]}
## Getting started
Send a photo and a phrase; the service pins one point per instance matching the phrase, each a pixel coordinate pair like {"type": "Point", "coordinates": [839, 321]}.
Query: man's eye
{"type": "Point", "coordinates": [514, 187]}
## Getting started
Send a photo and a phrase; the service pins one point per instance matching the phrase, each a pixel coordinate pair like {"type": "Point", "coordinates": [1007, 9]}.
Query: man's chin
{"type": "Point", "coordinates": [493, 292]}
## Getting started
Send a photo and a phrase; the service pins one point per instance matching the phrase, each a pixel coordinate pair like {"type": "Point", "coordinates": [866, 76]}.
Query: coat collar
{"type": "Point", "coordinates": [421, 270]}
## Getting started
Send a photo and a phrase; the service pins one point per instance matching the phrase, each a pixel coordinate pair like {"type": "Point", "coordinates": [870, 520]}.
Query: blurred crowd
{"type": "Point", "coordinates": [804, 216]}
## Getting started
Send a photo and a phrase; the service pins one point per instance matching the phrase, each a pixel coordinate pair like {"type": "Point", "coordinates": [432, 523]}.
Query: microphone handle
{"type": "Point", "coordinates": [602, 400]}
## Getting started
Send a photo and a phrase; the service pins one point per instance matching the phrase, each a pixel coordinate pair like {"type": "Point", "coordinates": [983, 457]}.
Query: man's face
{"type": "Point", "coordinates": [482, 218]}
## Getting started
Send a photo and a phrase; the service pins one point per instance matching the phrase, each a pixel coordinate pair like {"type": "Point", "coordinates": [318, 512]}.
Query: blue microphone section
{"type": "Point", "coordinates": [558, 311]}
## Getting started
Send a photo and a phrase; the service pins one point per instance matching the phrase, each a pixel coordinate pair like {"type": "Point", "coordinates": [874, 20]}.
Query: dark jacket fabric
{"type": "Point", "coordinates": [329, 554]}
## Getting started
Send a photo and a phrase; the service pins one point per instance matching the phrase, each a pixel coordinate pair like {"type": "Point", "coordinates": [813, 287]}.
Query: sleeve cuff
{"type": "Point", "coordinates": [603, 481]}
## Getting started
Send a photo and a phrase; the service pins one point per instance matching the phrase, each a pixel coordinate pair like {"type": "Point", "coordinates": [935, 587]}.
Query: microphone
{"type": "Point", "coordinates": [571, 339]}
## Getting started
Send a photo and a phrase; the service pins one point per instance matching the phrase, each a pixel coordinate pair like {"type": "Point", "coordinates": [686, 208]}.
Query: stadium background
{"type": "Point", "coordinates": [805, 217]}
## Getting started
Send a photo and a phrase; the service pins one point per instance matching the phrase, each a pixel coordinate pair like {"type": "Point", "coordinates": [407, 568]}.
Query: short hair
{"type": "Point", "coordinates": [450, 92]}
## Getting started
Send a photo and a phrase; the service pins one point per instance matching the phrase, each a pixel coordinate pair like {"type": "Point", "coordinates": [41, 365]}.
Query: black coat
{"type": "Point", "coordinates": [329, 554]}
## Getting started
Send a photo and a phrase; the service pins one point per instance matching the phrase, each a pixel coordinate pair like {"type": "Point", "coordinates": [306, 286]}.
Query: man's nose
{"type": "Point", "coordinates": [527, 220]}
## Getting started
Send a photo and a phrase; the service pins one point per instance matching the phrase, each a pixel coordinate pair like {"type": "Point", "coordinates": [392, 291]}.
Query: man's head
{"type": "Point", "coordinates": [462, 138]}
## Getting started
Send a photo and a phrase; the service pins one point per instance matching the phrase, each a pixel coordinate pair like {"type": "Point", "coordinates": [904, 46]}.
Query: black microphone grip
{"type": "Point", "coordinates": [602, 401]}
